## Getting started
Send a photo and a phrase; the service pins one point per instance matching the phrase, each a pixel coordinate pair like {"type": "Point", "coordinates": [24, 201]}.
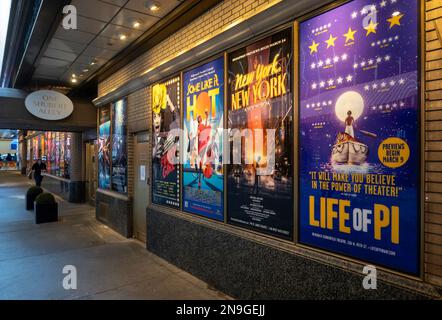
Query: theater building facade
{"type": "Point", "coordinates": [283, 149]}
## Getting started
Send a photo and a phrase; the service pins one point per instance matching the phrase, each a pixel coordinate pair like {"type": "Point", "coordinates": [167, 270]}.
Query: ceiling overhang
{"type": "Point", "coordinates": [268, 19]}
{"type": "Point", "coordinates": [14, 114]}
{"type": "Point", "coordinates": [47, 20]}
{"type": "Point", "coordinates": [55, 56]}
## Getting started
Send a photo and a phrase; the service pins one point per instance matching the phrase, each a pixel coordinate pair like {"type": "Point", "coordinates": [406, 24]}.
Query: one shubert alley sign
{"type": "Point", "coordinates": [49, 105]}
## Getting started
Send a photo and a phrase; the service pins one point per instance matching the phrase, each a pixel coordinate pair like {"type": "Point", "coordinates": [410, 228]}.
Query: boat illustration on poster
{"type": "Point", "coordinates": [349, 150]}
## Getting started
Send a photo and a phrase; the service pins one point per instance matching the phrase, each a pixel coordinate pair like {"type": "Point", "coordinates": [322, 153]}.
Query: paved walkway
{"type": "Point", "coordinates": [108, 265]}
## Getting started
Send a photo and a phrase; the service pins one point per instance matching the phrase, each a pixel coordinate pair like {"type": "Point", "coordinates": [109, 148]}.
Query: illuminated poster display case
{"type": "Point", "coordinates": [260, 116]}
{"type": "Point", "coordinates": [359, 132]}
{"type": "Point", "coordinates": [203, 123]}
{"type": "Point", "coordinates": [166, 118]}
{"type": "Point", "coordinates": [119, 146]}
{"type": "Point", "coordinates": [112, 147]}
{"type": "Point", "coordinates": [54, 148]}
{"type": "Point", "coordinates": [339, 172]}
{"type": "Point", "coordinates": [104, 145]}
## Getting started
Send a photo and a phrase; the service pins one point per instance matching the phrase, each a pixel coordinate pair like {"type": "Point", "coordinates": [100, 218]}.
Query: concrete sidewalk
{"type": "Point", "coordinates": [108, 266]}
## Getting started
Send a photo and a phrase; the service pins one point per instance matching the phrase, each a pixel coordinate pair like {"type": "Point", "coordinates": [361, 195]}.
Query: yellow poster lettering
{"type": "Point", "coordinates": [343, 216]}
{"type": "Point", "coordinates": [381, 220]}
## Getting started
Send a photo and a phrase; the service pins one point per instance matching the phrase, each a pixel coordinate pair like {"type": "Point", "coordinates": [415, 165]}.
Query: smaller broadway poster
{"type": "Point", "coordinates": [57, 153]}
{"type": "Point", "coordinates": [119, 147]}
{"type": "Point", "coordinates": [203, 180]}
{"type": "Point", "coordinates": [62, 146]}
{"type": "Point", "coordinates": [104, 148]}
{"type": "Point", "coordinates": [260, 122]}
{"type": "Point", "coordinates": [359, 133]}
{"type": "Point", "coordinates": [165, 143]}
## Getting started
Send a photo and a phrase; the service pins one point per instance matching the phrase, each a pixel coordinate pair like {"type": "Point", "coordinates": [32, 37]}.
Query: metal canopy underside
{"type": "Point", "coordinates": [14, 115]}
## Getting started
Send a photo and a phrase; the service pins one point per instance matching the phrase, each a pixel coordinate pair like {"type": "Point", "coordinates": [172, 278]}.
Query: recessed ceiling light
{"type": "Point", "coordinates": [93, 63]}
{"type": "Point", "coordinates": [154, 7]}
{"type": "Point", "coordinates": [85, 70]}
{"type": "Point", "coordinates": [123, 37]}
{"type": "Point", "coordinates": [74, 75]}
{"type": "Point", "coordinates": [73, 80]}
{"type": "Point", "coordinates": [136, 24]}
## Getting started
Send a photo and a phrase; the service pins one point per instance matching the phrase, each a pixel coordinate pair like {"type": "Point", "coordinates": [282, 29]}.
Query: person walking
{"type": "Point", "coordinates": [37, 168]}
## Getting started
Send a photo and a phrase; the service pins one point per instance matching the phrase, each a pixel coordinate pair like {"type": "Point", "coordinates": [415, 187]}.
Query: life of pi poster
{"type": "Point", "coordinates": [359, 132]}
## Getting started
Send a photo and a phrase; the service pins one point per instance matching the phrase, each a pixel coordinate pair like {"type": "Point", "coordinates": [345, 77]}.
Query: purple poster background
{"type": "Point", "coordinates": [359, 132]}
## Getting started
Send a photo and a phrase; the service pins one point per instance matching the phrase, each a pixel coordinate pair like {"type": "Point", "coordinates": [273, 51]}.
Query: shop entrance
{"type": "Point", "coordinates": [141, 188]}
{"type": "Point", "coordinates": [91, 172]}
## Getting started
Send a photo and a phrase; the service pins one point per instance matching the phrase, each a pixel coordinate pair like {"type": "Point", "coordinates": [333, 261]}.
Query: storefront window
{"type": "Point", "coordinates": [52, 148]}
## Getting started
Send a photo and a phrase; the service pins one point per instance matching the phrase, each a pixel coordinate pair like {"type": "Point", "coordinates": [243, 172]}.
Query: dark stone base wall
{"type": "Point", "coordinates": [72, 191]}
{"type": "Point", "coordinates": [115, 211]}
{"type": "Point", "coordinates": [246, 269]}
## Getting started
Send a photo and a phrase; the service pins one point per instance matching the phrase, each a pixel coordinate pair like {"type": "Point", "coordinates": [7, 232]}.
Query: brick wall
{"type": "Point", "coordinates": [137, 111]}
{"type": "Point", "coordinates": [433, 145]}
{"type": "Point", "coordinates": [130, 165]}
{"type": "Point", "coordinates": [226, 13]}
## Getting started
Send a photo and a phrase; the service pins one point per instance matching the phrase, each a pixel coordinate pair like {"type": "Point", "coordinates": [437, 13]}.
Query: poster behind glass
{"type": "Point", "coordinates": [62, 146]}
{"type": "Point", "coordinates": [57, 153]}
{"type": "Point", "coordinates": [165, 143]}
{"type": "Point", "coordinates": [359, 170]}
{"type": "Point", "coordinates": [203, 177]}
{"type": "Point", "coordinates": [46, 153]}
{"type": "Point", "coordinates": [119, 147]}
{"type": "Point", "coordinates": [260, 110]}
{"type": "Point", "coordinates": [42, 147]}
{"type": "Point", "coordinates": [104, 148]}
{"type": "Point", "coordinates": [67, 161]}
{"type": "Point", "coordinates": [35, 148]}
{"type": "Point", "coordinates": [28, 150]}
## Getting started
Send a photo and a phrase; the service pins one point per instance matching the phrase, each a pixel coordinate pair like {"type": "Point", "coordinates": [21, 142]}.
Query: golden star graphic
{"type": "Point", "coordinates": [331, 41]}
{"type": "Point", "coordinates": [395, 20]}
{"type": "Point", "coordinates": [314, 47]}
{"type": "Point", "coordinates": [350, 35]}
{"type": "Point", "coordinates": [371, 28]}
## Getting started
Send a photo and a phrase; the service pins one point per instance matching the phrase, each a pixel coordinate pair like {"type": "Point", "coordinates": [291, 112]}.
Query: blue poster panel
{"type": "Point", "coordinates": [119, 147]}
{"type": "Point", "coordinates": [359, 132]}
{"type": "Point", "coordinates": [104, 148]}
{"type": "Point", "coordinates": [260, 118]}
{"type": "Point", "coordinates": [203, 178]}
{"type": "Point", "coordinates": [165, 143]}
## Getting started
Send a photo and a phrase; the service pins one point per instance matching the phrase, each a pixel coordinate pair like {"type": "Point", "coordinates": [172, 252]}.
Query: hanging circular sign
{"type": "Point", "coordinates": [49, 105]}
